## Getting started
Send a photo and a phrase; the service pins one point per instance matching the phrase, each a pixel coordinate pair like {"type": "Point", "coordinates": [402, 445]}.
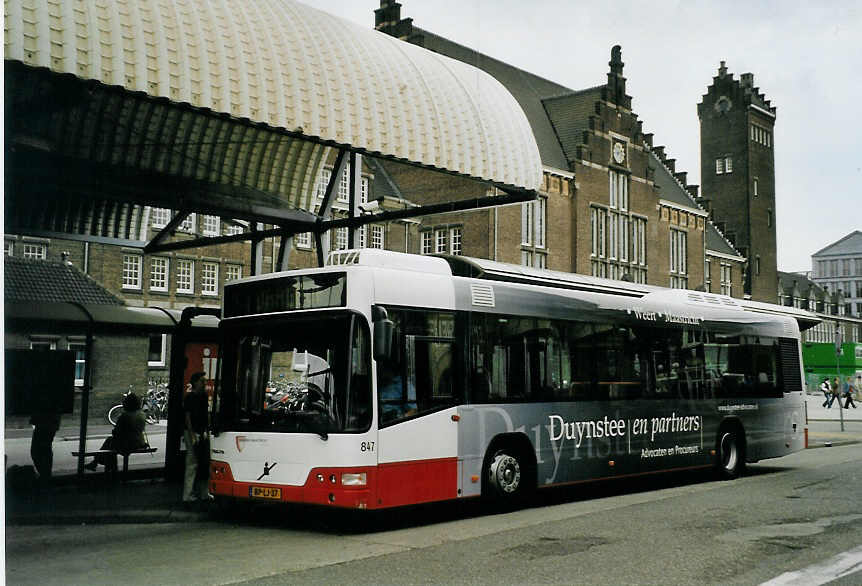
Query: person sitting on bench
{"type": "Point", "coordinates": [127, 436]}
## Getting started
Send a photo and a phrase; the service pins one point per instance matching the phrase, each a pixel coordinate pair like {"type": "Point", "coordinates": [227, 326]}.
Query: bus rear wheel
{"type": "Point", "coordinates": [731, 453]}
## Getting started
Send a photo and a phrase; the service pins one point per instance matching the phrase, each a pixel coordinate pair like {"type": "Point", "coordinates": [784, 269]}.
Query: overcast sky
{"type": "Point", "coordinates": [806, 58]}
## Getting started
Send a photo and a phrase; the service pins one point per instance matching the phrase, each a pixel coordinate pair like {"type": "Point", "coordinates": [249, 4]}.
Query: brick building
{"type": "Point", "coordinates": [612, 203]}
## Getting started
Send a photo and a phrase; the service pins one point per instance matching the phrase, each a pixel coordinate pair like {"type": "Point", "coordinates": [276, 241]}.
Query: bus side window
{"type": "Point", "coordinates": [480, 361]}
{"type": "Point", "coordinates": [430, 371]}
{"type": "Point", "coordinates": [666, 362]}
{"type": "Point", "coordinates": [581, 361]}
{"type": "Point", "coordinates": [610, 361]}
{"type": "Point", "coordinates": [499, 374]}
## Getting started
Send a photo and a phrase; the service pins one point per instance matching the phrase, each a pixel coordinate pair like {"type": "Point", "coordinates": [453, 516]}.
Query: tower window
{"type": "Point", "coordinates": [719, 166]}
{"type": "Point", "coordinates": [769, 218]}
{"type": "Point", "coordinates": [755, 188]}
{"type": "Point", "coordinates": [728, 165]}
{"type": "Point", "coordinates": [761, 136]}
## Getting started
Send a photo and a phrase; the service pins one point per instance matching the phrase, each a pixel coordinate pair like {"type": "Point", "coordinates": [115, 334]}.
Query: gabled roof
{"type": "Point", "coordinates": [850, 244]}
{"type": "Point", "coordinates": [670, 189]}
{"type": "Point", "coordinates": [716, 242]}
{"type": "Point", "coordinates": [42, 281]}
{"type": "Point", "coordinates": [804, 285]}
{"type": "Point", "coordinates": [570, 117]}
{"type": "Point", "coordinates": [528, 89]}
{"type": "Point", "coordinates": [383, 185]}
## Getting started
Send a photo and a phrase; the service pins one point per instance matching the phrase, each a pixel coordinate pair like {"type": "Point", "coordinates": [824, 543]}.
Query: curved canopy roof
{"type": "Point", "coordinates": [293, 69]}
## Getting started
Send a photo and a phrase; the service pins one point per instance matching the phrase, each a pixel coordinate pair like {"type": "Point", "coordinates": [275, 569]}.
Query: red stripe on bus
{"type": "Point", "coordinates": [420, 481]}
{"type": "Point", "coordinates": [388, 485]}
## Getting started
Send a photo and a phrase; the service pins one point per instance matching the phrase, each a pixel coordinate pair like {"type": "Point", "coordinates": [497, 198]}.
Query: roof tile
{"type": "Point", "coordinates": [29, 280]}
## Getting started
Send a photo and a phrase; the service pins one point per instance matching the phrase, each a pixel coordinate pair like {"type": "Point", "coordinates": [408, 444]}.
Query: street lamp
{"type": "Point", "coordinates": [838, 370]}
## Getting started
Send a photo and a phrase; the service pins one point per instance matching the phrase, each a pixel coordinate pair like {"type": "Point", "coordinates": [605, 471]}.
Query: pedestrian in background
{"type": "Point", "coordinates": [196, 408]}
{"type": "Point", "coordinates": [849, 389]}
{"type": "Point", "coordinates": [826, 389]}
{"type": "Point", "coordinates": [836, 390]}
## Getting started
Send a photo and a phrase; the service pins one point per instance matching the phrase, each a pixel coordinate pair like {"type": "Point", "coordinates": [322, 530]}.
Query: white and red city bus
{"type": "Point", "coordinates": [388, 379]}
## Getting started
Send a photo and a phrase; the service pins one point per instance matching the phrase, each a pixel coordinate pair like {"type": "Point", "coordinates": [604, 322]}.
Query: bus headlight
{"type": "Point", "coordinates": [354, 479]}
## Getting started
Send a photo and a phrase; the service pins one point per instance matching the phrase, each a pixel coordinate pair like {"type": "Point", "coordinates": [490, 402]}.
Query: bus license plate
{"type": "Point", "coordinates": [265, 492]}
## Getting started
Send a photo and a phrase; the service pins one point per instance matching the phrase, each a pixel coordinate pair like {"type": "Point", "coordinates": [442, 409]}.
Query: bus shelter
{"type": "Point", "coordinates": [94, 320]}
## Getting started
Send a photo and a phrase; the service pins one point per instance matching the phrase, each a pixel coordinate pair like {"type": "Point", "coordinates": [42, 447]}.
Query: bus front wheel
{"type": "Point", "coordinates": [731, 453]}
{"type": "Point", "coordinates": [507, 477]}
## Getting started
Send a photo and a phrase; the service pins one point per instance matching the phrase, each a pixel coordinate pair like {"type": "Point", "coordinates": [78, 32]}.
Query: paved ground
{"type": "Point", "coordinates": [147, 498]}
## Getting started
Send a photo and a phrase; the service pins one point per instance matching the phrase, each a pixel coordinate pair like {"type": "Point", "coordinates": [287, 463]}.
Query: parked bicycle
{"type": "Point", "coordinates": [154, 404]}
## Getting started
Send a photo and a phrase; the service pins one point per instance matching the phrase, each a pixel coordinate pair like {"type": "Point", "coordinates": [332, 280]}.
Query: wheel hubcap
{"type": "Point", "coordinates": [505, 473]}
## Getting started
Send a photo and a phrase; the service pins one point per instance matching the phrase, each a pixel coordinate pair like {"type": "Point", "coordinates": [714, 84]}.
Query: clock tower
{"type": "Point", "coordinates": [737, 169]}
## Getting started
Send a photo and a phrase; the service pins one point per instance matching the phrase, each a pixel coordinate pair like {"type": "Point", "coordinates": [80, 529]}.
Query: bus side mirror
{"type": "Point", "coordinates": [384, 331]}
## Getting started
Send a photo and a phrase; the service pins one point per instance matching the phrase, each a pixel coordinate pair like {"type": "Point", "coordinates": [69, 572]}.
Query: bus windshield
{"type": "Point", "coordinates": [299, 373]}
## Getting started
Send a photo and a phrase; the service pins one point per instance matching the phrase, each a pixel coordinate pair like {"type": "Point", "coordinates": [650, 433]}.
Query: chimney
{"type": "Point", "coordinates": [681, 176]}
{"type": "Point", "coordinates": [722, 70]}
{"type": "Point", "coordinates": [387, 19]}
{"type": "Point", "coordinates": [616, 81]}
{"type": "Point", "coordinates": [747, 80]}
{"type": "Point", "coordinates": [387, 15]}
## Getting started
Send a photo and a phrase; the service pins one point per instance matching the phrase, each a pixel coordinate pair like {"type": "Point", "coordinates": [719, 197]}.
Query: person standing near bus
{"type": "Point", "coordinates": [848, 394]}
{"type": "Point", "coordinates": [196, 408]}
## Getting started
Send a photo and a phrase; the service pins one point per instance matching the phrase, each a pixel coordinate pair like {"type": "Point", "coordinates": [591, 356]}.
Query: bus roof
{"type": "Point", "coordinates": [478, 268]}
